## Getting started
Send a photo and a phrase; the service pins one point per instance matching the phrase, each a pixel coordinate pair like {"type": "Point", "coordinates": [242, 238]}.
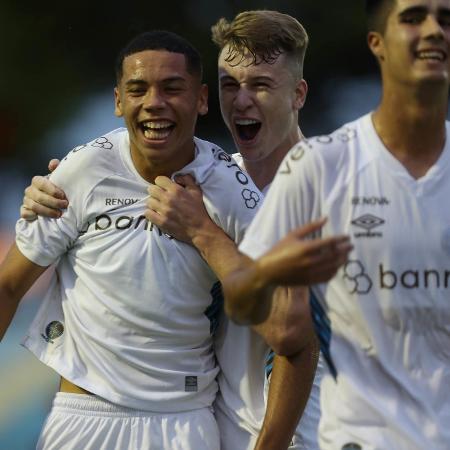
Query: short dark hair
{"type": "Point", "coordinates": [161, 40]}
{"type": "Point", "coordinates": [377, 12]}
{"type": "Point", "coordinates": [265, 35]}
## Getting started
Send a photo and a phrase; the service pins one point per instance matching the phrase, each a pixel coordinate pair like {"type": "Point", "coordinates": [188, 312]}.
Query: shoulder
{"type": "Point", "coordinates": [86, 164]}
{"type": "Point", "coordinates": [334, 153]}
{"type": "Point", "coordinates": [224, 170]}
{"type": "Point", "coordinates": [230, 195]}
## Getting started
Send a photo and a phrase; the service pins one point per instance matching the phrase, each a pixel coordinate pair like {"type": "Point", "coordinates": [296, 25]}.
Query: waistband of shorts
{"type": "Point", "coordinates": [84, 404]}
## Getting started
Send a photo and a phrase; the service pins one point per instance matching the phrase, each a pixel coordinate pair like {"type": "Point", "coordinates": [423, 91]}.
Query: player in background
{"type": "Point", "coordinates": [384, 179]}
{"type": "Point", "coordinates": [261, 91]}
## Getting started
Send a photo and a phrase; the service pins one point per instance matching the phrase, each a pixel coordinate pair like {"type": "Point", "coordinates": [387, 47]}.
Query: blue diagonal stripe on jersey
{"type": "Point", "coordinates": [269, 363]}
{"type": "Point", "coordinates": [214, 310]}
{"type": "Point", "coordinates": [323, 330]}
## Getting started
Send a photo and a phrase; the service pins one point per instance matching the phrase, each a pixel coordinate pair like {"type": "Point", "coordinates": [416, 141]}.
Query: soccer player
{"type": "Point", "coordinates": [385, 180]}
{"type": "Point", "coordinates": [129, 314]}
{"type": "Point", "coordinates": [261, 91]}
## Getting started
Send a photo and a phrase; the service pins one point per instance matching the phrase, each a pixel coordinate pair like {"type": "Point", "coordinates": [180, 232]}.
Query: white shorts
{"type": "Point", "coordinates": [86, 422]}
{"type": "Point", "coordinates": [232, 436]}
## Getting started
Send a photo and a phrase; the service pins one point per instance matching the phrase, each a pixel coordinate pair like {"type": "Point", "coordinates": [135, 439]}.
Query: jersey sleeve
{"type": "Point", "coordinates": [291, 201]}
{"type": "Point", "coordinates": [44, 240]}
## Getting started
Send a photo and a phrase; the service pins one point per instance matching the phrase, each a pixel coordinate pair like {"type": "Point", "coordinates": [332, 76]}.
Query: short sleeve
{"type": "Point", "coordinates": [44, 240]}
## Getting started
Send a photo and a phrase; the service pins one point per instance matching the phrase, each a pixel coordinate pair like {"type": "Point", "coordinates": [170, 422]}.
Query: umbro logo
{"type": "Point", "coordinates": [368, 222]}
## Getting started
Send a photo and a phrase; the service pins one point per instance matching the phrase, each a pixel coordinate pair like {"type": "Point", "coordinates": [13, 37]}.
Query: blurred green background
{"type": "Point", "coordinates": [56, 91]}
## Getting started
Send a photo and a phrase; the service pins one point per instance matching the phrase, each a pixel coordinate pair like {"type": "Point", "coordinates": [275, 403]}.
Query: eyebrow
{"type": "Point", "coordinates": [165, 80]}
{"type": "Point", "coordinates": [251, 79]}
{"type": "Point", "coordinates": [423, 10]}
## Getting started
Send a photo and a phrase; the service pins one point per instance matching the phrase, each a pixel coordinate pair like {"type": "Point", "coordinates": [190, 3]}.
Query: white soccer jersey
{"type": "Point", "coordinates": [389, 309]}
{"type": "Point", "coordinates": [137, 306]}
{"type": "Point", "coordinates": [244, 359]}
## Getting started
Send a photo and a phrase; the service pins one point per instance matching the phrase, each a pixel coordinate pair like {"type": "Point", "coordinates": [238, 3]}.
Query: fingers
{"type": "Point", "coordinates": [323, 258]}
{"type": "Point", "coordinates": [30, 209]}
{"type": "Point", "coordinates": [27, 214]}
{"type": "Point", "coordinates": [152, 216]}
{"type": "Point", "coordinates": [164, 182]}
{"type": "Point", "coordinates": [53, 164]}
{"type": "Point", "coordinates": [46, 186]}
{"type": "Point", "coordinates": [34, 195]}
{"type": "Point", "coordinates": [155, 192]}
{"type": "Point", "coordinates": [186, 181]}
{"type": "Point", "coordinates": [310, 228]}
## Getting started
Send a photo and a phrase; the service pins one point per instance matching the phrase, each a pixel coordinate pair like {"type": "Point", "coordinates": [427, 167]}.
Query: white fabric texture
{"type": "Point", "coordinates": [388, 307]}
{"type": "Point", "coordinates": [130, 303]}
{"type": "Point", "coordinates": [84, 422]}
{"type": "Point", "coordinates": [242, 354]}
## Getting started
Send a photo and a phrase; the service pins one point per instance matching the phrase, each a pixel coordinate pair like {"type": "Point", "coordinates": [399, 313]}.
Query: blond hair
{"type": "Point", "coordinates": [263, 34]}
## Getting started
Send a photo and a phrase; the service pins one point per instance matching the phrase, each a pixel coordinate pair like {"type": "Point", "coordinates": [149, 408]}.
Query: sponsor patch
{"type": "Point", "coordinates": [190, 384]}
{"type": "Point", "coordinates": [351, 446]}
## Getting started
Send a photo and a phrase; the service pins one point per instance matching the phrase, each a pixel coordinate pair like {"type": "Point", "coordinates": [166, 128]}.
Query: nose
{"type": "Point", "coordinates": [154, 99]}
{"type": "Point", "coordinates": [243, 99]}
{"type": "Point", "coordinates": [432, 28]}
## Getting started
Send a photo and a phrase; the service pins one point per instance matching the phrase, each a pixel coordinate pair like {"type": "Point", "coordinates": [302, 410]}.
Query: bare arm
{"type": "Point", "coordinates": [17, 275]}
{"type": "Point", "coordinates": [178, 209]}
{"type": "Point", "coordinates": [290, 330]}
{"type": "Point", "coordinates": [289, 389]}
{"type": "Point", "coordinates": [292, 261]}
{"type": "Point", "coordinates": [43, 198]}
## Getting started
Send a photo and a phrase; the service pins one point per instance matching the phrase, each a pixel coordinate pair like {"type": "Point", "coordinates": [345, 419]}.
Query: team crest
{"type": "Point", "coordinates": [53, 330]}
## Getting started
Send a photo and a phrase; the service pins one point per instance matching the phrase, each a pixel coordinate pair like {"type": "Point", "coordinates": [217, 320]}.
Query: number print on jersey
{"type": "Point", "coordinates": [251, 198]}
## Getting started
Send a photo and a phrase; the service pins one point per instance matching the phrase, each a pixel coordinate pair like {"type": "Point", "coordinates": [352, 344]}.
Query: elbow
{"type": "Point", "coordinates": [239, 310]}
{"type": "Point", "coordinates": [286, 341]}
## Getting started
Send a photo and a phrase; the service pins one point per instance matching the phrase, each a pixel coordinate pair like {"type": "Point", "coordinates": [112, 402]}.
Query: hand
{"type": "Point", "coordinates": [177, 207]}
{"type": "Point", "coordinates": [43, 198]}
{"type": "Point", "coordinates": [297, 261]}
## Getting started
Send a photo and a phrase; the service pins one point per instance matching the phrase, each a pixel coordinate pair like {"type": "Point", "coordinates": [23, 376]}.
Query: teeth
{"type": "Point", "coordinates": [431, 55]}
{"type": "Point", "coordinates": [246, 122]}
{"type": "Point", "coordinates": [154, 134]}
{"type": "Point", "coordinates": [152, 125]}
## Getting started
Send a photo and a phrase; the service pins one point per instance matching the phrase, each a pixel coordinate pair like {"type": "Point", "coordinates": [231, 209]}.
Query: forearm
{"type": "Point", "coordinates": [17, 274]}
{"type": "Point", "coordinates": [9, 304]}
{"type": "Point", "coordinates": [248, 298]}
{"type": "Point", "coordinates": [289, 389]}
{"type": "Point", "coordinates": [218, 249]}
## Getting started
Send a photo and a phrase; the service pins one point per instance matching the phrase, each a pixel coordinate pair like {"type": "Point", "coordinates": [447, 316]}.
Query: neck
{"type": "Point", "coordinates": [412, 125]}
{"type": "Point", "coordinates": [150, 167]}
{"type": "Point", "coordinates": [263, 171]}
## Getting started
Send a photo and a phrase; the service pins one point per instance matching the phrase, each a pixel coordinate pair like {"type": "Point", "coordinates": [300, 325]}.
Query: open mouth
{"type": "Point", "coordinates": [431, 55]}
{"type": "Point", "coordinates": [157, 129]}
{"type": "Point", "coordinates": [247, 129]}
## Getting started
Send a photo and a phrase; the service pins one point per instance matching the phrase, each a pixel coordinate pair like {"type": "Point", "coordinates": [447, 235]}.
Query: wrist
{"type": "Point", "coordinates": [205, 236]}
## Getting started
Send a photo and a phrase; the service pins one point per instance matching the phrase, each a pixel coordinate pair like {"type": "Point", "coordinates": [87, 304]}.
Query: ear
{"type": "Point", "coordinates": [202, 104]}
{"type": "Point", "coordinates": [376, 44]}
{"type": "Point", "coordinates": [301, 90]}
{"type": "Point", "coordinates": [117, 103]}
